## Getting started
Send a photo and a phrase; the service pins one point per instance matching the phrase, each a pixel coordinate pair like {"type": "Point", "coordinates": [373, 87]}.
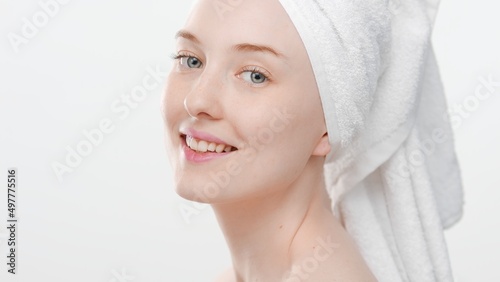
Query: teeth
{"type": "Point", "coordinates": [203, 146]}
{"type": "Point", "coordinates": [194, 144]}
{"type": "Point", "coordinates": [220, 148]}
{"type": "Point", "coordinates": [211, 147]}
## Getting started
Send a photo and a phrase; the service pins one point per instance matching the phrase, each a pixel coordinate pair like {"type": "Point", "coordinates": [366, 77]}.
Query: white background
{"type": "Point", "coordinates": [116, 217]}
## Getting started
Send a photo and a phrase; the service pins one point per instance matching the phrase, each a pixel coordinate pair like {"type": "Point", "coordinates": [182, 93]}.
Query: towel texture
{"type": "Point", "coordinates": [392, 173]}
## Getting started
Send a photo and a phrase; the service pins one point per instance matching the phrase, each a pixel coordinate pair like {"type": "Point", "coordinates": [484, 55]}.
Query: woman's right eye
{"type": "Point", "coordinates": [190, 62]}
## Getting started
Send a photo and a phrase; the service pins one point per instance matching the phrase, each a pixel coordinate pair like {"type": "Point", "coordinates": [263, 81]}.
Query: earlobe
{"type": "Point", "coordinates": [323, 147]}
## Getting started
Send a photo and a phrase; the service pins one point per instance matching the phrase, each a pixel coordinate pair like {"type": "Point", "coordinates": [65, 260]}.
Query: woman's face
{"type": "Point", "coordinates": [241, 107]}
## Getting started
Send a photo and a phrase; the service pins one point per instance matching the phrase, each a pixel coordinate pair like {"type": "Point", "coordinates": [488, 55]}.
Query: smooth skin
{"type": "Point", "coordinates": [244, 76]}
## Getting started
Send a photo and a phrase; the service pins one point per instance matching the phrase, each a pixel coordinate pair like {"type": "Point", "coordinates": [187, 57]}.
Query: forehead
{"type": "Point", "coordinates": [234, 22]}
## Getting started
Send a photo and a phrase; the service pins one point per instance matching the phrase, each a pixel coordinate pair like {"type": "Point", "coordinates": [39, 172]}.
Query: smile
{"type": "Point", "coordinates": [203, 146]}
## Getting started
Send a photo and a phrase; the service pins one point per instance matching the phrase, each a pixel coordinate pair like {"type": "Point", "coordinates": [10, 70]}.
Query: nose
{"type": "Point", "coordinates": [204, 100]}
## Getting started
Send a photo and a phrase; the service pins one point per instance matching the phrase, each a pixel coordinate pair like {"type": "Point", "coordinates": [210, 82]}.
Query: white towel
{"type": "Point", "coordinates": [392, 174]}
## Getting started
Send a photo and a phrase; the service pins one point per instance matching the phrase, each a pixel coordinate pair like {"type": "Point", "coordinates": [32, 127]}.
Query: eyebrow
{"type": "Point", "coordinates": [243, 47]}
{"type": "Point", "coordinates": [187, 35]}
{"type": "Point", "coordinates": [247, 47]}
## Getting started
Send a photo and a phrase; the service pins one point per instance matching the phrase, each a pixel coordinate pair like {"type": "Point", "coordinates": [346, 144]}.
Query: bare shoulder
{"type": "Point", "coordinates": [226, 276]}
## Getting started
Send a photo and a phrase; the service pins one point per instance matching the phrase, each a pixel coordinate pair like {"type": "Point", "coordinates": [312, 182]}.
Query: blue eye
{"type": "Point", "coordinates": [190, 62]}
{"type": "Point", "coordinates": [254, 77]}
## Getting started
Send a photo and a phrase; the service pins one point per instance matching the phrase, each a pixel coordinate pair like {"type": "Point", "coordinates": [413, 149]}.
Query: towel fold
{"type": "Point", "coordinates": [392, 173]}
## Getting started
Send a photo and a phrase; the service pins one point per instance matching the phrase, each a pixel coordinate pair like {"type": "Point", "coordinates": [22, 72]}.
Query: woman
{"type": "Point", "coordinates": [250, 131]}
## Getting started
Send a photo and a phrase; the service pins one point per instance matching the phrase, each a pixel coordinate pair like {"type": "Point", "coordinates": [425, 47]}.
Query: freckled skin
{"type": "Point", "coordinates": [269, 196]}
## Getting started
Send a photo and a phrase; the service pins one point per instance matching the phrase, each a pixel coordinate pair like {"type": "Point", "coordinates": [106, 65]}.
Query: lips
{"type": "Point", "coordinates": [201, 147]}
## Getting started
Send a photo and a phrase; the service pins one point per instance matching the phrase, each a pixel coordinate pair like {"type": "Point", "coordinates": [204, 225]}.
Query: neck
{"type": "Point", "coordinates": [265, 233]}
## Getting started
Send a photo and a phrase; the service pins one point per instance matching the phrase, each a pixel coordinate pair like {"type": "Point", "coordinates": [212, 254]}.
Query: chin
{"type": "Point", "coordinates": [188, 194]}
{"type": "Point", "coordinates": [195, 192]}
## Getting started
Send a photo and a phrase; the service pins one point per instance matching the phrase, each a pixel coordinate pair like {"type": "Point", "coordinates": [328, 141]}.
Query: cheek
{"type": "Point", "coordinates": [281, 145]}
{"type": "Point", "coordinates": [302, 131]}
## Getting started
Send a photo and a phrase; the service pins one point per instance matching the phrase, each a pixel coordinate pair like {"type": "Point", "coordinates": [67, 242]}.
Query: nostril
{"type": "Point", "coordinates": [204, 115]}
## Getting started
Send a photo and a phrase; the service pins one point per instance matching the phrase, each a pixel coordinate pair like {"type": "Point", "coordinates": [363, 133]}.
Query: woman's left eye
{"type": "Point", "coordinates": [254, 77]}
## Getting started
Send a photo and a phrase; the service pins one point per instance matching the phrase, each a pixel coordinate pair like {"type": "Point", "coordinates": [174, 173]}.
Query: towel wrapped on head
{"type": "Point", "coordinates": [392, 173]}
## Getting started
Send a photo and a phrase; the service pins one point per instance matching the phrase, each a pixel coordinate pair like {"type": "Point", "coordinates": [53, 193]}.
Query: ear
{"type": "Point", "coordinates": [323, 147]}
